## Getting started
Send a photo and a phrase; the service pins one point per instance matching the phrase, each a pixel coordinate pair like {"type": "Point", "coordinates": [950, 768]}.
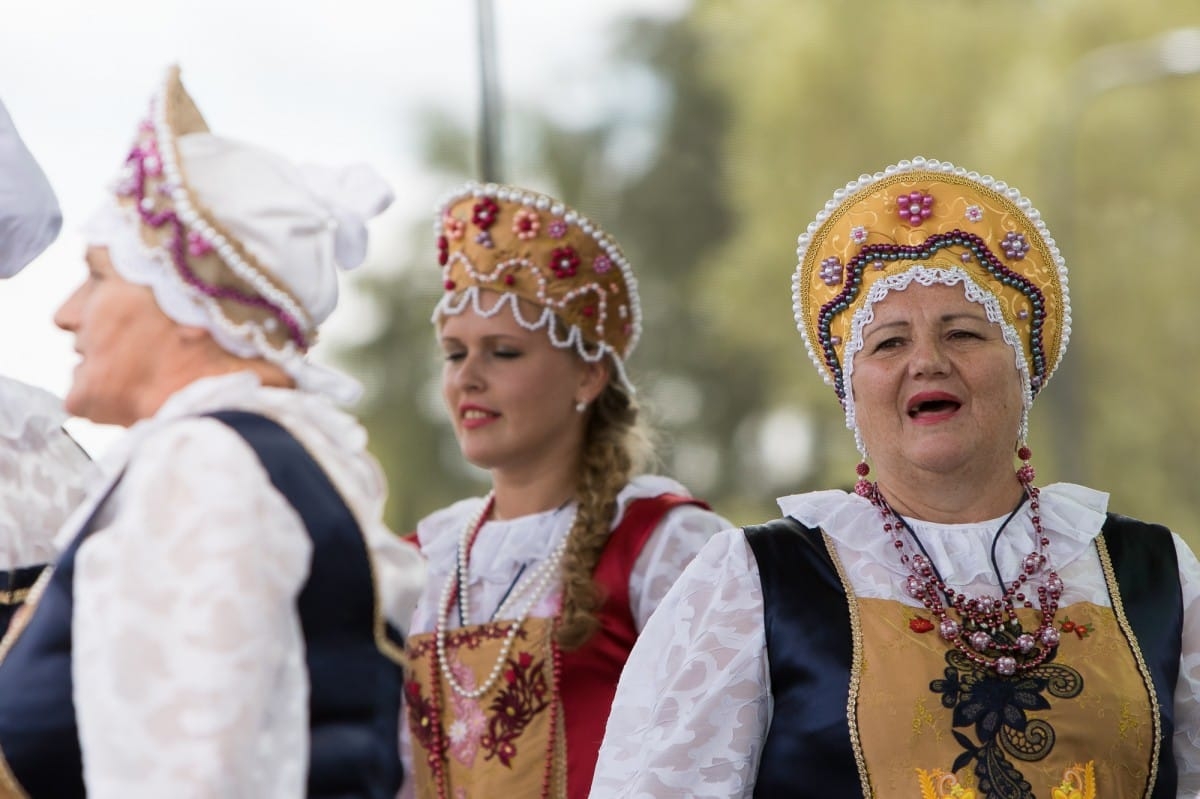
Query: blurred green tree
{"type": "Point", "coordinates": [820, 92]}
{"type": "Point", "coordinates": [763, 109]}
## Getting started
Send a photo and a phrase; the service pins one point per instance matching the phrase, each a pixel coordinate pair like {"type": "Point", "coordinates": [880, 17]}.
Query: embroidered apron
{"type": "Point", "coordinates": [510, 741]}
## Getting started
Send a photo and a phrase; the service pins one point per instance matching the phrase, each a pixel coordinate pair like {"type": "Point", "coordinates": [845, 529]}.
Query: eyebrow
{"type": "Point", "coordinates": [493, 338]}
{"type": "Point", "coordinates": [945, 318]}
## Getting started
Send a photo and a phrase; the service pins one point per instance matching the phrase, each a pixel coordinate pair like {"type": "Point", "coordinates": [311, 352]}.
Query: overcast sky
{"type": "Point", "coordinates": [319, 80]}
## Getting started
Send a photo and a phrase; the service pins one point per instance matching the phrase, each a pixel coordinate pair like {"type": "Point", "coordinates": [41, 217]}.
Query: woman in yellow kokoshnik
{"type": "Point", "coordinates": [950, 628]}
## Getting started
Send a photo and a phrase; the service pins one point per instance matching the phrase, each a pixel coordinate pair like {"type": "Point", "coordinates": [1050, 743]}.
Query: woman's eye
{"type": "Point", "coordinates": [507, 354]}
{"type": "Point", "coordinates": [889, 343]}
{"type": "Point", "coordinates": [455, 355]}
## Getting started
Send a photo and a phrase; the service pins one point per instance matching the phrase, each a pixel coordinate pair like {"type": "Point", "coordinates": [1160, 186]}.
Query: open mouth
{"type": "Point", "coordinates": [932, 406]}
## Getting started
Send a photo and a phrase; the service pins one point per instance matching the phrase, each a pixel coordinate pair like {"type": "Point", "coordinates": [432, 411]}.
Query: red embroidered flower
{"type": "Point", "coordinates": [485, 212]}
{"type": "Point", "coordinates": [443, 245]}
{"type": "Point", "coordinates": [919, 624]}
{"type": "Point", "coordinates": [564, 261]}
{"type": "Point", "coordinates": [526, 224]}
{"type": "Point", "coordinates": [525, 659]}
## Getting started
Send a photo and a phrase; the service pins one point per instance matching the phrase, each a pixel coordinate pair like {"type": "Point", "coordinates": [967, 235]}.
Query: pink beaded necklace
{"type": "Point", "coordinates": [989, 633]}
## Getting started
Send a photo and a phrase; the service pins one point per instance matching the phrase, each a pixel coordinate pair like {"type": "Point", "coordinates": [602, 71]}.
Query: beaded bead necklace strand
{"type": "Point", "coordinates": [533, 588]}
{"type": "Point", "coordinates": [990, 634]}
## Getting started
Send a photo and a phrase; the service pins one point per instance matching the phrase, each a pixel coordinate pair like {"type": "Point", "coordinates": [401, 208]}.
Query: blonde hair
{"type": "Point", "coordinates": [615, 447]}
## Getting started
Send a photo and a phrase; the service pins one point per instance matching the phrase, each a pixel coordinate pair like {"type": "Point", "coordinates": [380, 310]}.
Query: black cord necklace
{"type": "Point", "coordinates": [995, 538]}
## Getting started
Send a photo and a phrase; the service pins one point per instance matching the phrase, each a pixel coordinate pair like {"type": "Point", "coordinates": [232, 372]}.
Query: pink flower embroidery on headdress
{"type": "Point", "coordinates": [197, 245]}
{"type": "Point", "coordinates": [858, 234]}
{"type": "Point", "coordinates": [526, 224]}
{"type": "Point", "coordinates": [914, 208]}
{"type": "Point", "coordinates": [557, 229]}
{"type": "Point", "coordinates": [602, 264]}
{"type": "Point", "coordinates": [831, 271]}
{"type": "Point", "coordinates": [1014, 245]}
{"type": "Point", "coordinates": [974, 213]}
{"type": "Point", "coordinates": [453, 227]}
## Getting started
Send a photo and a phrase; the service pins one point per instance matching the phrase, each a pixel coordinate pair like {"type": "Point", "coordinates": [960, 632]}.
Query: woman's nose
{"type": "Point", "coordinates": [929, 358]}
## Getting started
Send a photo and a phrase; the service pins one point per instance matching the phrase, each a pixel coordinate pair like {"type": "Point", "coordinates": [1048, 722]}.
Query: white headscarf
{"type": "Point", "coordinates": [300, 224]}
{"type": "Point", "coordinates": [29, 215]}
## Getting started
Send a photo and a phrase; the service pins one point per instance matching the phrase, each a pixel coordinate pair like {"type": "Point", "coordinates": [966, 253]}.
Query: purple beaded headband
{"type": "Point", "coordinates": [943, 224]}
{"type": "Point", "coordinates": [241, 295]}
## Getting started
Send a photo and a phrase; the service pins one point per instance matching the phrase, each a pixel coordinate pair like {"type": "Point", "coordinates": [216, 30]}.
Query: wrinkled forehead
{"type": "Point", "coordinates": [917, 304]}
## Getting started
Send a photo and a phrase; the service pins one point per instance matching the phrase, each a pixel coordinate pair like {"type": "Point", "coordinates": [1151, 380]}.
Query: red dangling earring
{"type": "Point", "coordinates": [863, 486]}
{"type": "Point", "coordinates": [1025, 474]}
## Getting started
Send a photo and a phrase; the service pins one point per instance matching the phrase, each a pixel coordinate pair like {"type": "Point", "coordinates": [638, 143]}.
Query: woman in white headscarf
{"type": "Point", "coordinates": [43, 472]}
{"type": "Point", "coordinates": [224, 610]}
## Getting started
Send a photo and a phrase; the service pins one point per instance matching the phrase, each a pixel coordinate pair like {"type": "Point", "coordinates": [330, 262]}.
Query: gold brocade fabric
{"type": "Point", "coordinates": [496, 745]}
{"type": "Point", "coordinates": [933, 724]}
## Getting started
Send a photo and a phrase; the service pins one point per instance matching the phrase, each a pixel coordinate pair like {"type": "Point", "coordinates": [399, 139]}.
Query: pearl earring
{"type": "Point", "coordinates": [580, 406]}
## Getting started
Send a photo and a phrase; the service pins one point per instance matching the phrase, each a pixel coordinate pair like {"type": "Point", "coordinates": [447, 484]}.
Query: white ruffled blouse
{"type": "Point", "coordinates": [188, 664]}
{"type": "Point", "coordinates": [694, 702]}
{"type": "Point", "coordinates": [44, 474]}
{"type": "Point", "coordinates": [504, 548]}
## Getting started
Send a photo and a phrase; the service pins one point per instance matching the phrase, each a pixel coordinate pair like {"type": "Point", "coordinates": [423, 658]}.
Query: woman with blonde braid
{"type": "Point", "coordinates": [538, 590]}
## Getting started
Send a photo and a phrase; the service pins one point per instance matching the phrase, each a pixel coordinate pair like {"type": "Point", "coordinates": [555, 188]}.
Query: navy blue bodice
{"type": "Point", "coordinates": [354, 688]}
{"type": "Point", "coordinates": [807, 623]}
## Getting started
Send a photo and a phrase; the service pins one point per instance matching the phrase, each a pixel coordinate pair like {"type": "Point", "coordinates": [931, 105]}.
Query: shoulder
{"type": "Point", "coordinates": [439, 531]}
{"type": "Point", "coordinates": [27, 410]}
{"type": "Point", "coordinates": [679, 507]}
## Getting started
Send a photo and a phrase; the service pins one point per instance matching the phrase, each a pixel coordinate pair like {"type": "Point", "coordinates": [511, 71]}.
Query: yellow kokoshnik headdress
{"type": "Point", "coordinates": [928, 221]}
{"type": "Point", "coordinates": [527, 246]}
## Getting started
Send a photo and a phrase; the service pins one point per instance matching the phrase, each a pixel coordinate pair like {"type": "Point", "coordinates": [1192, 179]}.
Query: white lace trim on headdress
{"type": "Point", "coordinates": [117, 229]}
{"type": "Point", "coordinates": [928, 276]}
{"type": "Point", "coordinates": [454, 303]}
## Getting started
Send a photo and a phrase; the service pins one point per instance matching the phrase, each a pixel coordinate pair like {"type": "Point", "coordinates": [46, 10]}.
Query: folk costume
{"type": "Point", "coordinates": [495, 707]}
{"type": "Point", "coordinates": [222, 620]}
{"type": "Point", "coordinates": [846, 650]}
{"type": "Point", "coordinates": [45, 473]}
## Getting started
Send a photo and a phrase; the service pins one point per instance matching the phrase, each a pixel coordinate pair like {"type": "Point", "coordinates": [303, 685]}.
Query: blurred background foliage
{"type": "Point", "coordinates": [761, 108]}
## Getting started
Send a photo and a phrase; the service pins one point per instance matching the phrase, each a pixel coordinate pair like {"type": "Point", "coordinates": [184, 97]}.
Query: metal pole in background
{"type": "Point", "coordinates": [1174, 53]}
{"type": "Point", "coordinates": [489, 95]}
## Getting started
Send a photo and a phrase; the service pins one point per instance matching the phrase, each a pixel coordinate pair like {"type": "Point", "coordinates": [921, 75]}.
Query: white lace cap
{"type": "Point", "coordinates": [237, 239]}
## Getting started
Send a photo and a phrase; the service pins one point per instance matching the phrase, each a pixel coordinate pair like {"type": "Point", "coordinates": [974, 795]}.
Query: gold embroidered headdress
{"type": "Point", "coordinates": [928, 221]}
{"type": "Point", "coordinates": [525, 245]}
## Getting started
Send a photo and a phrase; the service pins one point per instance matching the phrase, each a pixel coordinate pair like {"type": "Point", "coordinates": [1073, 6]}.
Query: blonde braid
{"type": "Point", "coordinates": [615, 447]}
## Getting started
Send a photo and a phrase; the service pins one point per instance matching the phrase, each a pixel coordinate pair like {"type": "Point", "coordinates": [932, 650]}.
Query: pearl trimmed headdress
{"type": "Point", "coordinates": [525, 245]}
{"type": "Point", "coordinates": [929, 221]}
{"type": "Point", "coordinates": [236, 239]}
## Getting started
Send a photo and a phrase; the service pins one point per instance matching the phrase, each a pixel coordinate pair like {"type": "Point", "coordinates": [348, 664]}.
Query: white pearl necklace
{"type": "Point", "coordinates": [531, 589]}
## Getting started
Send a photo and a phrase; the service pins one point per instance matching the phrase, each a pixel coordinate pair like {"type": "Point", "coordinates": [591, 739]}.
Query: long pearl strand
{"type": "Point", "coordinates": [531, 589]}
